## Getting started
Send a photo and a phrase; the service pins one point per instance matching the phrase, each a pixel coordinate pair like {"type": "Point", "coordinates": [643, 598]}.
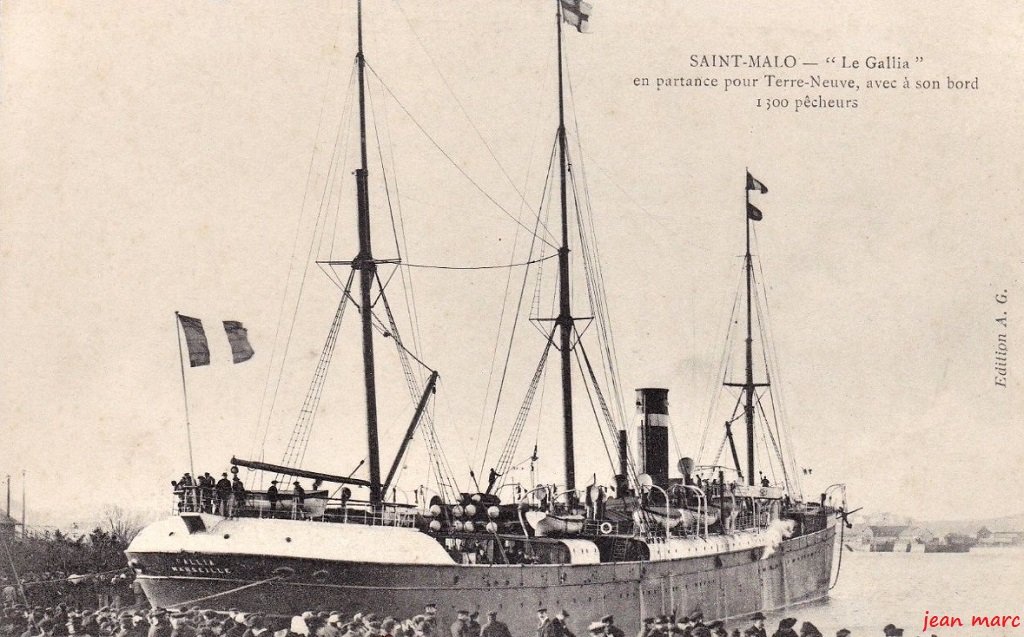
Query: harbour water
{"type": "Point", "coordinates": [876, 589]}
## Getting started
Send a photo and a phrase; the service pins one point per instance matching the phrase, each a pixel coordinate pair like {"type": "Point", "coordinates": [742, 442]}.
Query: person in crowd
{"type": "Point", "coordinates": [562, 622]}
{"type": "Point", "coordinates": [159, 624]}
{"type": "Point", "coordinates": [842, 632]}
{"type": "Point", "coordinates": [807, 629]}
{"type": "Point", "coordinates": [756, 628]}
{"type": "Point", "coordinates": [545, 627]}
{"type": "Point", "coordinates": [610, 629]}
{"type": "Point", "coordinates": [473, 625]}
{"type": "Point", "coordinates": [332, 627]}
{"type": "Point", "coordinates": [786, 628]}
{"type": "Point", "coordinates": [493, 627]}
{"type": "Point", "coordinates": [460, 627]}
{"type": "Point", "coordinates": [646, 627]}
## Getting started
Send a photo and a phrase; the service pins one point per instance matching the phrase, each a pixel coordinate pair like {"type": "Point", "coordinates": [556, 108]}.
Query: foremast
{"type": "Point", "coordinates": [367, 268]}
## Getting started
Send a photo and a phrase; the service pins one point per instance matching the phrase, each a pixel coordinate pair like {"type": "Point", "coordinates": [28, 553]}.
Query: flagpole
{"type": "Point", "coordinates": [184, 391]}
{"type": "Point", "coordinates": [749, 406]}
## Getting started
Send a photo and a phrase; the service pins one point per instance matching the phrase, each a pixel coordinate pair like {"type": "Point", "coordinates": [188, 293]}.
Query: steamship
{"type": "Point", "coordinates": [660, 536]}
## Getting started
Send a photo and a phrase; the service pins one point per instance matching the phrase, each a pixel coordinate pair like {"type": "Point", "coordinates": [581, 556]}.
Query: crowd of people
{"type": "Point", "coordinates": [63, 620]}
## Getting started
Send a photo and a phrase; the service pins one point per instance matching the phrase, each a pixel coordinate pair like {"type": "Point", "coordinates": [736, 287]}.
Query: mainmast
{"type": "Point", "coordinates": [565, 319]}
{"type": "Point", "coordinates": [367, 268]}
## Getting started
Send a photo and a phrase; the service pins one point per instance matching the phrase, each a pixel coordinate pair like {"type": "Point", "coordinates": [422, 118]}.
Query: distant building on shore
{"type": "Point", "coordinates": [999, 538]}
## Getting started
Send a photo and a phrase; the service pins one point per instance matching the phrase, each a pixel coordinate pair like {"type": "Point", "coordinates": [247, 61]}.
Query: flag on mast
{"type": "Point", "coordinates": [754, 212]}
{"type": "Point", "coordinates": [577, 13]}
{"type": "Point", "coordinates": [754, 184]}
{"type": "Point", "coordinates": [238, 337]}
{"type": "Point", "coordinates": [195, 340]}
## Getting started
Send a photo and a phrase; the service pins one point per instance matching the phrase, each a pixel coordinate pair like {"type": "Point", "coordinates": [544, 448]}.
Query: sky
{"type": "Point", "coordinates": [196, 157]}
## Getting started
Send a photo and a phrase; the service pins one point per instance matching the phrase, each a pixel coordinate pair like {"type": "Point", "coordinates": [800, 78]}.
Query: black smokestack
{"type": "Point", "coordinates": [652, 405]}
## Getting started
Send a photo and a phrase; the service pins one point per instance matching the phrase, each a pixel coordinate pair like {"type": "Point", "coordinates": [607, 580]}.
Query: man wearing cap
{"type": "Point", "coordinates": [756, 629]}
{"type": "Point", "coordinates": [459, 626]}
{"type": "Point", "coordinates": [493, 627]}
{"type": "Point", "coordinates": [842, 632]}
{"type": "Point", "coordinates": [473, 626]}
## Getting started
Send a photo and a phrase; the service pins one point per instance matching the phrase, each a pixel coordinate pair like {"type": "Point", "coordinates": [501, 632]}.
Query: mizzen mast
{"type": "Point", "coordinates": [751, 213]}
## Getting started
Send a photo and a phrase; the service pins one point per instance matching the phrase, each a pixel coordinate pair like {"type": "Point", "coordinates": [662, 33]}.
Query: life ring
{"type": "Point", "coordinates": [606, 528]}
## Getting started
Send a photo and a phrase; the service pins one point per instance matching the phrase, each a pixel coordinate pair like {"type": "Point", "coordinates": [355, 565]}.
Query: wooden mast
{"type": "Point", "coordinates": [367, 268]}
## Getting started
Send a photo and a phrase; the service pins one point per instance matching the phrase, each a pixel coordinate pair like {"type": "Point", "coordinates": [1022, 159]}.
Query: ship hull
{"type": "Point", "coordinates": [724, 585]}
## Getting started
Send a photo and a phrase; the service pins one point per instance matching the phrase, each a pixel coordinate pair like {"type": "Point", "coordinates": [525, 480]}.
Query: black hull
{"type": "Point", "coordinates": [724, 586]}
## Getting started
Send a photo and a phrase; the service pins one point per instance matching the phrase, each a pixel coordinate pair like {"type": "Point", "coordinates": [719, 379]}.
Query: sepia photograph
{"type": "Point", "coordinates": [542, 318]}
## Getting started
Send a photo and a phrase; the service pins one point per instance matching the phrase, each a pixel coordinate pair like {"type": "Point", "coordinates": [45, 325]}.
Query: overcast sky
{"type": "Point", "coordinates": [166, 156]}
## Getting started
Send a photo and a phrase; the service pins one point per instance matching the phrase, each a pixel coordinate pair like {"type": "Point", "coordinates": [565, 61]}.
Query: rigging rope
{"type": "Point", "coordinates": [465, 113]}
{"type": "Point", "coordinates": [295, 451]}
{"type": "Point", "coordinates": [515, 325]}
{"type": "Point", "coordinates": [445, 476]}
{"type": "Point", "coordinates": [501, 314]}
{"type": "Point", "coordinates": [509, 450]}
{"type": "Point", "coordinates": [452, 161]}
{"type": "Point", "coordinates": [720, 374]}
{"type": "Point", "coordinates": [298, 226]}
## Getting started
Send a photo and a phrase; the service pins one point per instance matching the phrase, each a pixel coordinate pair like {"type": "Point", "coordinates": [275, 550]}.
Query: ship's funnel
{"type": "Point", "coordinates": [652, 438]}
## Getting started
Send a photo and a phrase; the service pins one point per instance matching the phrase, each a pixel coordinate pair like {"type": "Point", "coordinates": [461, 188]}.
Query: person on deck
{"type": "Point", "coordinates": [473, 626]}
{"type": "Point", "coordinates": [298, 494]}
{"type": "Point", "coordinates": [223, 494]}
{"type": "Point", "coordinates": [272, 495]}
{"type": "Point", "coordinates": [238, 491]}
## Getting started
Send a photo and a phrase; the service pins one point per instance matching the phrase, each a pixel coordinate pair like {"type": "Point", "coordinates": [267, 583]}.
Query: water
{"type": "Point", "coordinates": [876, 589]}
